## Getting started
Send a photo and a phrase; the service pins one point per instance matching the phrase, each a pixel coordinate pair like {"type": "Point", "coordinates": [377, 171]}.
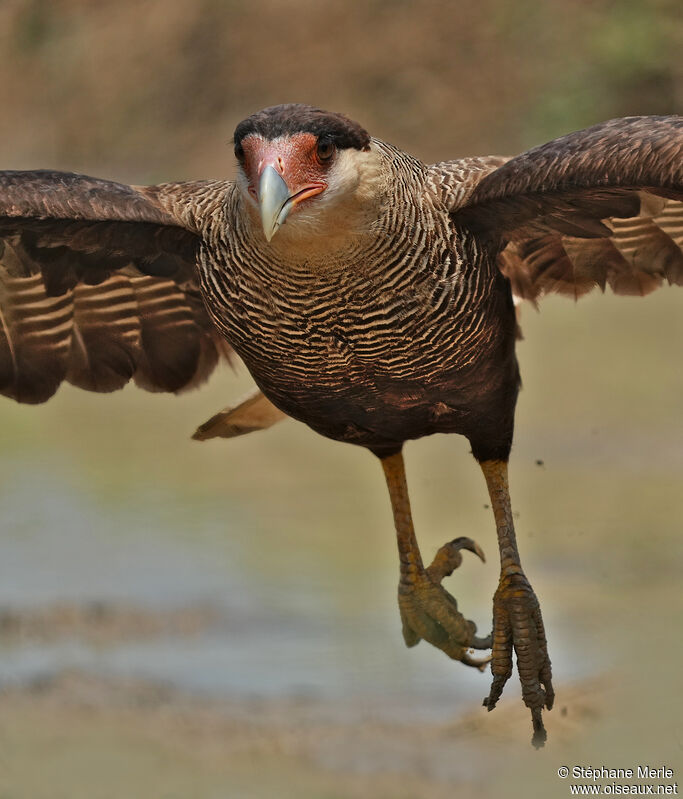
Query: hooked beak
{"type": "Point", "coordinates": [276, 200]}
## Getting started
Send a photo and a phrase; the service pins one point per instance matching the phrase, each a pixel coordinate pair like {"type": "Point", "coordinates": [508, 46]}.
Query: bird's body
{"type": "Point", "coordinates": [369, 295]}
{"type": "Point", "coordinates": [377, 337]}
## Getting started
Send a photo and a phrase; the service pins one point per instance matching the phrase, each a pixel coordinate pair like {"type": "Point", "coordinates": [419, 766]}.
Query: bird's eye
{"type": "Point", "coordinates": [239, 152]}
{"type": "Point", "coordinates": [325, 149]}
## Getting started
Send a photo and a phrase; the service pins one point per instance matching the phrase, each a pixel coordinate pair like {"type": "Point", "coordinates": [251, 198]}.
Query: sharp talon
{"type": "Point", "coordinates": [448, 558]}
{"type": "Point", "coordinates": [468, 543]}
{"type": "Point", "coordinates": [540, 736]}
{"type": "Point", "coordinates": [497, 685]}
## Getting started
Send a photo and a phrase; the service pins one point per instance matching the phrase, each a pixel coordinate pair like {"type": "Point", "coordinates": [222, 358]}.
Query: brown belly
{"type": "Point", "coordinates": [364, 404]}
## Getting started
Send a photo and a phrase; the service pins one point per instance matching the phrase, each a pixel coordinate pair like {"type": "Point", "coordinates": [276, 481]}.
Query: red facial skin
{"type": "Point", "coordinates": [294, 157]}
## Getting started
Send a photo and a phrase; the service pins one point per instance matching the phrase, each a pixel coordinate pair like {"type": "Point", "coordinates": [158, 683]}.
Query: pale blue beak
{"type": "Point", "coordinates": [274, 201]}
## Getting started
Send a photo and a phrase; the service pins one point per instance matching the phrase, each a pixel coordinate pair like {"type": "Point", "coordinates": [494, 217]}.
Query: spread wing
{"type": "Point", "coordinates": [98, 286]}
{"type": "Point", "coordinates": [599, 207]}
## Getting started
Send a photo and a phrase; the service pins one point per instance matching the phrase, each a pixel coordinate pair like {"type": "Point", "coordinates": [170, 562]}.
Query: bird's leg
{"type": "Point", "coordinates": [427, 610]}
{"type": "Point", "coordinates": [516, 614]}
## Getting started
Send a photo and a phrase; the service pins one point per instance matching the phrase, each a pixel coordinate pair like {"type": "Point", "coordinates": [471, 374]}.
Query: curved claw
{"type": "Point", "coordinates": [448, 558]}
{"type": "Point", "coordinates": [463, 542]}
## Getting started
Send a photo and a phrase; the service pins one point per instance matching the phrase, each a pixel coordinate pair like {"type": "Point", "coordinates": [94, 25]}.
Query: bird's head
{"type": "Point", "coordinates": [314, 169]}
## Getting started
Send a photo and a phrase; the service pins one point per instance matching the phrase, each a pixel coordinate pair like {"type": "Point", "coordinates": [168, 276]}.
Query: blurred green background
{"type": "Point", "coordinates": [295, 681]}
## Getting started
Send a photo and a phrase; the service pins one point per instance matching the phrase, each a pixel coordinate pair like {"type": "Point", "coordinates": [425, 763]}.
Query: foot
{"type": "Point", "coordinates": [517, 622]}
{"type": "Point", "coordinates": [428, 611]}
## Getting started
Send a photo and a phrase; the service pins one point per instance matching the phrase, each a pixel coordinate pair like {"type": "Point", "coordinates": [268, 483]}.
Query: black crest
{"type": "Point", "coordinates": [284, 120]}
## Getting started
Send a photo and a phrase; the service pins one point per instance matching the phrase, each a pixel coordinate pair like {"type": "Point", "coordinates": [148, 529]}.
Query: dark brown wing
{"type": "Point", "coordinates": [600, 207]}
{"type": "Point", "coordinates": [98, 286]}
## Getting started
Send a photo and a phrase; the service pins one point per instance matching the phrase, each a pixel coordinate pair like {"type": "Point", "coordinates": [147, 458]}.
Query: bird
{"type": "Point", "coordinates": [371, 296]}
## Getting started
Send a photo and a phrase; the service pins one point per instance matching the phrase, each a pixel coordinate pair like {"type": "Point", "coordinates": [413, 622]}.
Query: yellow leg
{"type": "Point", "coordinates": [517, 618]}
{"type": "Point", "coordinates": [427, 610]}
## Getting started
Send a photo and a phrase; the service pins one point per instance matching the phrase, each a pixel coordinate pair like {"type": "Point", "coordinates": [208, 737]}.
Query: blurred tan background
{"type": "Point", "coordinates": [219, 620]}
